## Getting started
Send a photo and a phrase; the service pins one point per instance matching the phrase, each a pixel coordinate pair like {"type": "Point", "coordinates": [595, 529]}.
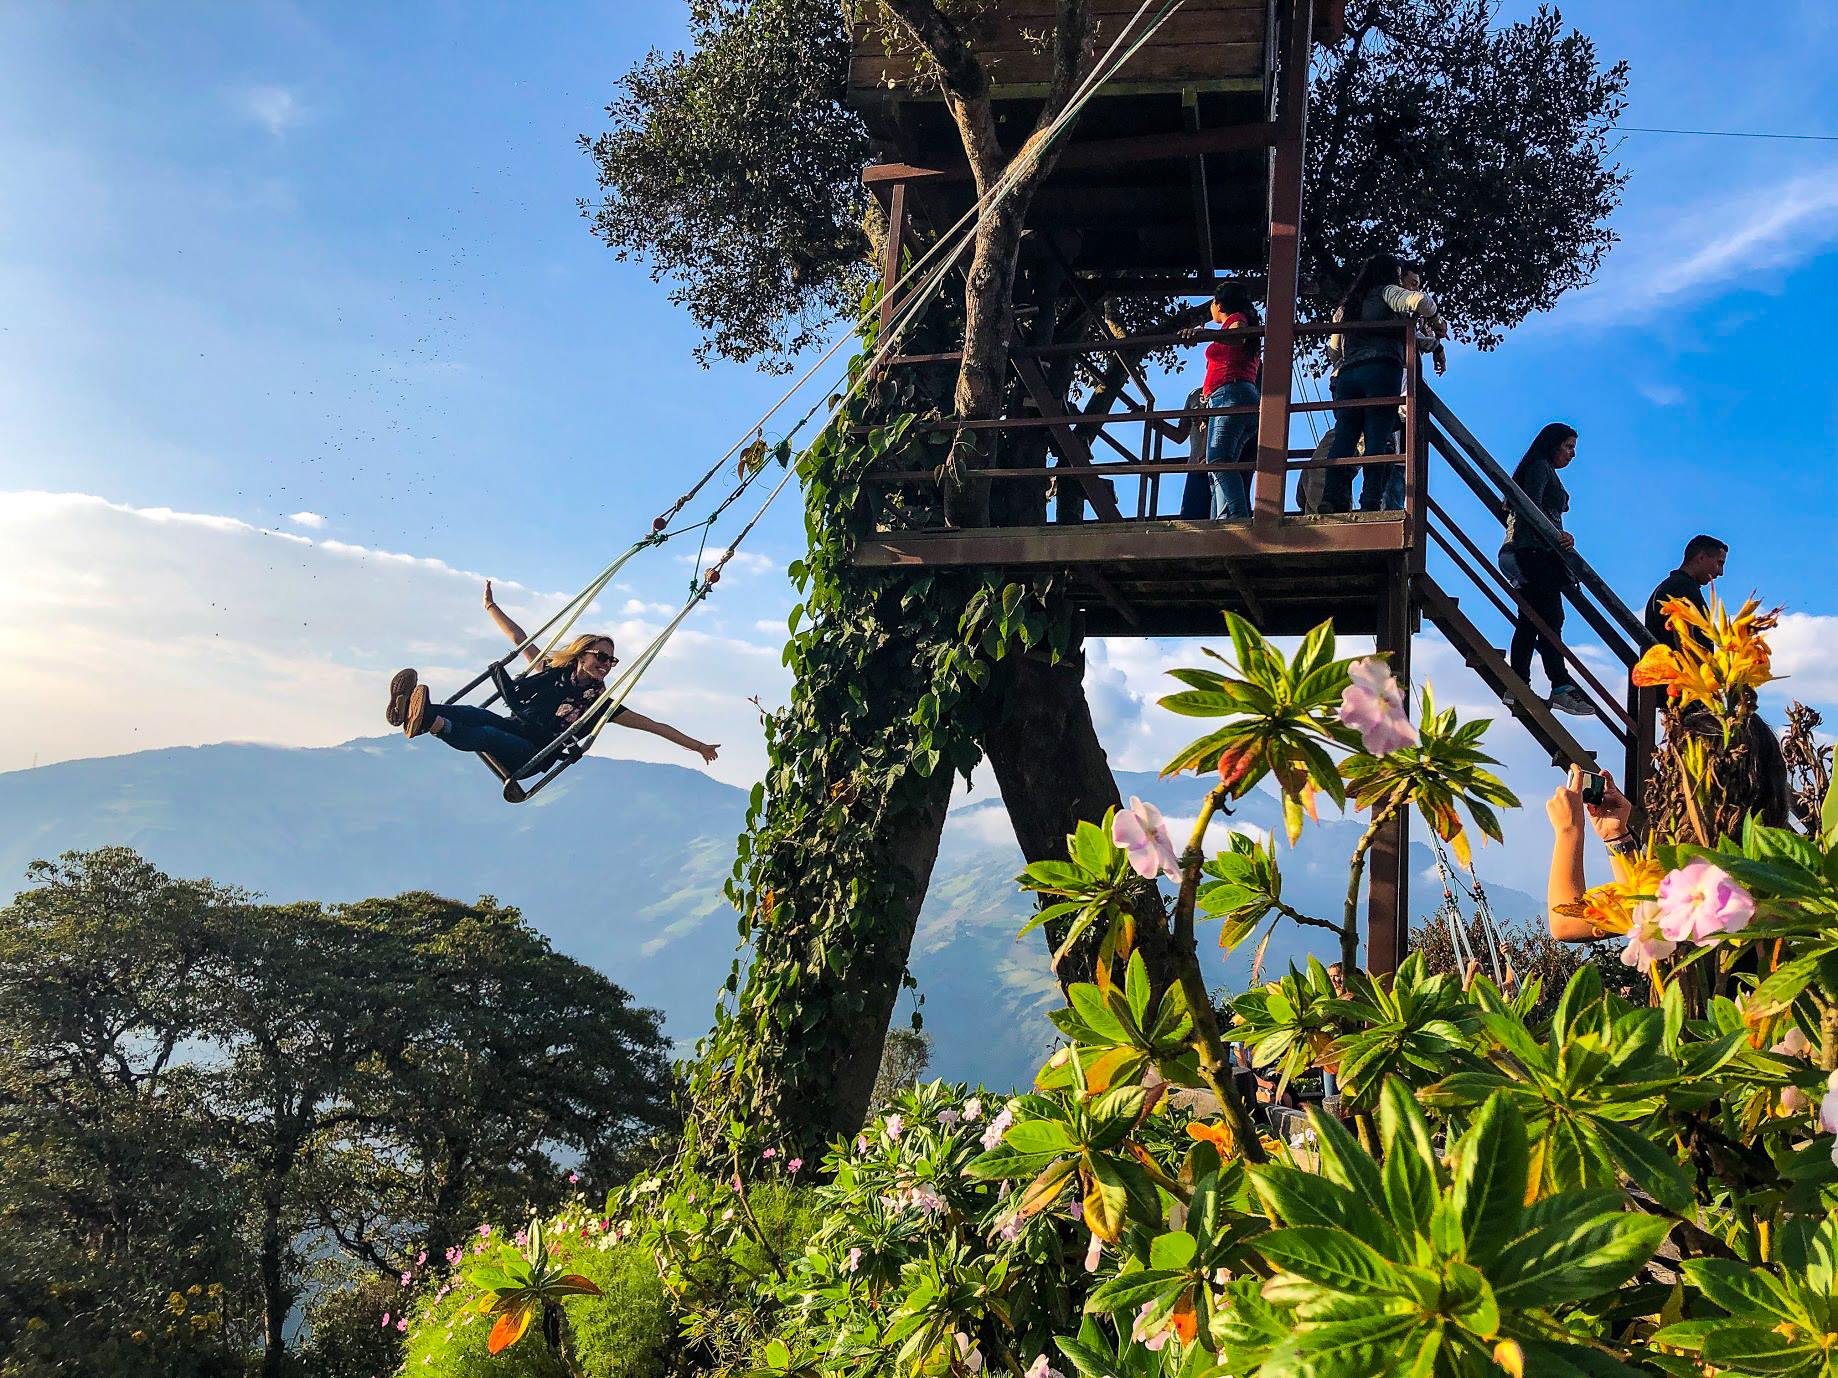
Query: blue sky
{"type": "Point", "coordinates": [300, 331]}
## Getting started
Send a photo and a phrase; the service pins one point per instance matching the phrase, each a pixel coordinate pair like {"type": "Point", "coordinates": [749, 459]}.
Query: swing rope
{"type": "Point", "coordinates": [587, 728]}
{"type": "Point", "coordinates": [1450, 913]}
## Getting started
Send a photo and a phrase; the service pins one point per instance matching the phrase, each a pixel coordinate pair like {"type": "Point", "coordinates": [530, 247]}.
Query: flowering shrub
{"type": "Point", "coordinates": [1614, 1188]}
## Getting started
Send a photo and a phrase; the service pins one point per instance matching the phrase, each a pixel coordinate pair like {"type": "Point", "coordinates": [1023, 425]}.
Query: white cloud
{"type": "Point", "coordinates": [274, 108]}
{"type": "Point", "coordinates": [637, 607]}
{"type": "Point", "coordinates": [139, 627]}
{"type": "Point", "coordinates": [1733, 236]}
{"type": "Point", "coordinates": [312, 521]}
{"type": "Point", "coordinates": [1806, 654]}
{"type": "Point", "coordinates": [1661, 394]}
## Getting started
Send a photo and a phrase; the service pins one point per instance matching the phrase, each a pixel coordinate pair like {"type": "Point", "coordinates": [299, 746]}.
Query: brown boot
{"type": "Point", "coordinates": [418, 719]}
{"type": "Point", "coordinates": [400, 687]}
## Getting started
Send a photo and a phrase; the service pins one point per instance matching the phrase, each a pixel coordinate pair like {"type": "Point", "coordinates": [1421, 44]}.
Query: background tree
{"type": "Point", "coordinates": [904, 1058]}
{"type": "Point", "coordinates": [110, 1200]}
{"type": "Point", "coordinates": [278, 1106]}
{"type": "Point", "coordinates": [1479, 148]}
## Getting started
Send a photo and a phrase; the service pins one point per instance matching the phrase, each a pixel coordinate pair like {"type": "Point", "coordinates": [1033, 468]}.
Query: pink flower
{"type": "Point", "coordinates": [421, 1258]}
{"type": "Point", "coordinates": [402, 1325]}
{"type": "Point", "coordinates": [1646, 945]}
{"type": "Point", "coordinates": [793, 1166]}
{"type": "Point", "coordinates": [770, 1154]}
{"type": "Point", "coordinates": [385, 1320]}
{"type": "Point", "coordinates": [973, 1110]}
{"type": "Point", "coordinates": [1153, 1341]}
{"type": "Point", "coordinates": [855, 1260]}
{"type": "Point", "coordinates": [1828, 1106]}
{"type": "Point", "coordinates": [1373, 706]}
{"type": "Point", "coordinates": [1701, 902]}
{"type": "Point", "coordinates": [1794, 1100]}
{"type": "Point", "coordinates": [407, 1279]}
{"type": "Point", "coordinates": [861, 1143]}
{"type": "Point", "coordinates": [1140, 831]}
{"type": "Point", "coordinates": [1010, 1229]}
{"type": "Point", "coordinates": [968, 1354]}
{"type": "Point", "coordinates": [1040, 1368]}
{"type": "Point", "coordinates": [455, 1254]}
{"type": "Point", "coordinates": [1093, 1251]}
{"type": "Point", "coordinates": [573, 1177]}
{"type": "Point", "coordinates": [997, 1128]}
{"type": "Point", "coordinates": [893, 1126]}
{"type": "Point", "coordinates": [1793, 1044]}
{"type": "Point", "coordinates": [947, 1118]}
{"type": "Point", "coordinates": [485, 1232]}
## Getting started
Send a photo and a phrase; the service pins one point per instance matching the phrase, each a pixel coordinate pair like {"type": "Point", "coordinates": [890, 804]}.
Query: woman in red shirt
{"type": "Point", "coordinates": [1231, 381]}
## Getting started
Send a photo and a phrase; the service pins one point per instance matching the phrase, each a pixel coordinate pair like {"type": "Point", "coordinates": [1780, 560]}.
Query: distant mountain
{"type": "Point", "coordinates": [621, 864]}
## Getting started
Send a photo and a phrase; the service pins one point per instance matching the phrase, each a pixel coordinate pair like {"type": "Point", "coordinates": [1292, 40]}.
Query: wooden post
{"type": "Point", "coordinates": [896, 239]}
{"type": "Point", "coordinates": [1282, 283]}
{"type": "Point", "coordinates": [1642, 740]}
{"type": "Point", "coordinates": [1388, 863]}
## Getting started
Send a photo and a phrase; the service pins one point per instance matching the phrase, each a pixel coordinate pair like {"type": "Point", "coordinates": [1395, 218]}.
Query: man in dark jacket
{"type": "Point", "coordinates": [1703, 562]}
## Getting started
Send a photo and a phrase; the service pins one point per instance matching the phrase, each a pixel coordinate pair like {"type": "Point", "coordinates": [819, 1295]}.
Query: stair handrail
{"type": "Point", "coordinates": [1528, 512]}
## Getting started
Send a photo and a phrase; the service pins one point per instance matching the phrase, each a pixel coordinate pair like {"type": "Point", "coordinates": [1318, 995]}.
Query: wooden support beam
{"type": "Point", "coordinates": [896, 239]}
{"type": "Point", "coordinates": [1388, 863]}
{"type": "Point", "coordinates": [1102, 153]}
{"type": "Point", "coordinates": [1108, 591]}
{"type": "Point", "coordinates": [1162, 538]}
{"type": "Point", "coordinates": [1202, 205]}
{"type": "Point", "coordinates": [1097, 490]}
{"type": "Point", "coordinates": [1271, 483]}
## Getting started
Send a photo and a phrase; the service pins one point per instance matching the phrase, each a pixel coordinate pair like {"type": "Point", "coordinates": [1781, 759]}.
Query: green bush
{"type": "Point", "coordinates": [625, 1333]}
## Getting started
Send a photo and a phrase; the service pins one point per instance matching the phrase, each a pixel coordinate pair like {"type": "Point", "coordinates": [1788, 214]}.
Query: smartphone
{"type": "Point", "coordinates": [1595, 788]}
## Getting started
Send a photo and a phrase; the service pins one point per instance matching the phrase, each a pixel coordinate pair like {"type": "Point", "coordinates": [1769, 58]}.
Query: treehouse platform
{"type": "Point", "coordinates": [1186, 170]}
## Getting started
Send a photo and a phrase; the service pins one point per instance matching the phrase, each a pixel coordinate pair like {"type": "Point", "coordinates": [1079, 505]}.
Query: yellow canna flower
{"type": "Point", "coordinates": [1616, 906]}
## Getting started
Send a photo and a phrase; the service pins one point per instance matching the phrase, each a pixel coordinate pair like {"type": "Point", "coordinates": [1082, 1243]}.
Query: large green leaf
{"type": "Point", "coordinates": [1491, 1164]}
{"type": "Point", "coordinates": [1330, 1258]}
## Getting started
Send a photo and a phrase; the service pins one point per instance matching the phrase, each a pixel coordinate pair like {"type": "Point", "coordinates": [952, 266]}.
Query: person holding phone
{"type": "Point", "coordinates": [1595, 797]}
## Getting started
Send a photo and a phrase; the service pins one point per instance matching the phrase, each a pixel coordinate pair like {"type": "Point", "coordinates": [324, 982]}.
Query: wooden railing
{"type": "Point", "coordinates": [1145, 460]}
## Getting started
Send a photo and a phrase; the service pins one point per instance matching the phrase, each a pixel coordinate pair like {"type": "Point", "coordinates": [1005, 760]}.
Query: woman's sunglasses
{"type": "Point", "coordinates": [607, 656]}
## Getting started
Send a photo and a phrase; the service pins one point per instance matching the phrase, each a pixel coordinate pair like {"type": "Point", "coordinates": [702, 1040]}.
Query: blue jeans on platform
{"type": "Point", "coordinates": [480, 729]}
{"type": "Point", "coordinates": [1225, 438]}
{"type": "Point", "coordinates": [1369, 378]}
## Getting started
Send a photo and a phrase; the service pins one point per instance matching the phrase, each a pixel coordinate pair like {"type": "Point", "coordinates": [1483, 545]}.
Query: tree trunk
{"type": "Point", "coordinates": [828, 1098]}
{"type": "Point", "coordinates": [1053, 775]}
{"type": "Point", "coordinates": [989, 327]}
{"type": "Point", "coordinates": [875, 972]}
{"type": "Point", "coordinates": [276, 1298]}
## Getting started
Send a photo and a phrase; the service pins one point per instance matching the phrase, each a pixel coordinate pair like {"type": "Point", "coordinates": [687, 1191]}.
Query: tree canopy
{"type": "Point", "coordinates": [1479, 146]}
{"type": "Point", "coordinates": [215, 1111]}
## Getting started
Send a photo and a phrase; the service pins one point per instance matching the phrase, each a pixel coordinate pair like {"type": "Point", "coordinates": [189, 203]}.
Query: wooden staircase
{"type": "Point", "coordinates": [1480, 656]}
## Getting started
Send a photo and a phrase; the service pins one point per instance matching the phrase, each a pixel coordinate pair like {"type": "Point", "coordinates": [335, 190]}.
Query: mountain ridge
{"type": "Point", "coordinates": [621, 864]}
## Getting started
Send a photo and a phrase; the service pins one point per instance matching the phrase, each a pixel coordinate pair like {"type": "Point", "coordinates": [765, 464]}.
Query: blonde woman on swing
{"type": "Point", "coordinates": [562, 686]}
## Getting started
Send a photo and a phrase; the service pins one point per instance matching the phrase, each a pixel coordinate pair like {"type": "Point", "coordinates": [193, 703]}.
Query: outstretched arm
{"type": "Point", "coordinates": [643, 724]}
{"type": "Point", "coordinates": [507, 626]}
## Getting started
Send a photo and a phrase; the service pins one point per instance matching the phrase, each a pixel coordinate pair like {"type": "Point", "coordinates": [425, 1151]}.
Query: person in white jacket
{"type": "Point", "coordinates": [1368, 364]}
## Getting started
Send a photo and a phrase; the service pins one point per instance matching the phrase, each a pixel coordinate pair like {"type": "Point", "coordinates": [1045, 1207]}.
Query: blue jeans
{"type": "Point", "coordinates": [480, 729]}
{"type": "Point", "coordinates": [1225, 439]}
{"type": "Point", "coordinates": [1371, 378]}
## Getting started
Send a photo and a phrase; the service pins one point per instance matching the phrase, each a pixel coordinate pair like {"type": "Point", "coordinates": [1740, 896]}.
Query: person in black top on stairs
{"type": "Point", "coordinates": [1542, 572]}
{"type": "Point", "coordinates": [552, 697]}
{"type": "Point", "coordinates": [1703, 562]}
